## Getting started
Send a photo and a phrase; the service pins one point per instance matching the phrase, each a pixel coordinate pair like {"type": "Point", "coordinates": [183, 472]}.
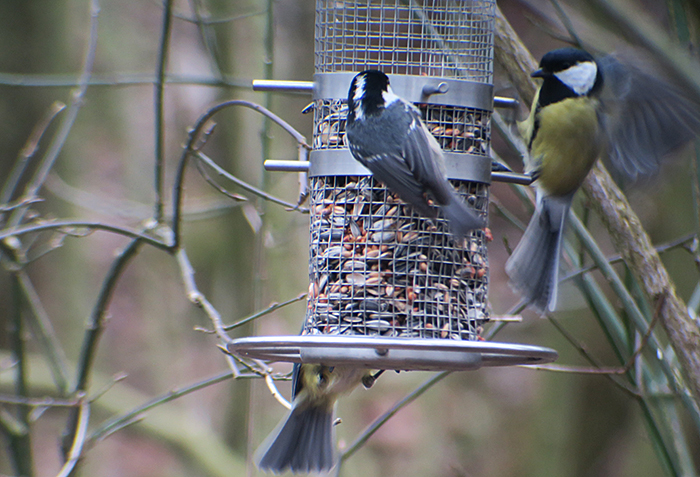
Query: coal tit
{"type": "Point", "coordinates": [387, 136]}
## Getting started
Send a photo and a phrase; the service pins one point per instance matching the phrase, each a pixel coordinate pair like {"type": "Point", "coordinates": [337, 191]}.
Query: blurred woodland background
{"type": "Point", "coordinates": [82, 87]}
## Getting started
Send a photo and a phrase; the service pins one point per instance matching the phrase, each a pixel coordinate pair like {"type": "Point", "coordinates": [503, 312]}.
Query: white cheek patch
{"type": "Point", "coordinates": [580, 77]}
{"type": "Point", "coordinates": [389, 96]}
{"type": "Point", "coordinates": [357, 97]}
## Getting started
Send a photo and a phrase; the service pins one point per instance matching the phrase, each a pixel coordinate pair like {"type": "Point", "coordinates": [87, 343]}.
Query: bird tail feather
{"type": "Point", "coordinates": [533, 267]}
{"type": "Point", "coordinates": [303, 443]}
{"type": "Point", "coordinates": [462, 219]}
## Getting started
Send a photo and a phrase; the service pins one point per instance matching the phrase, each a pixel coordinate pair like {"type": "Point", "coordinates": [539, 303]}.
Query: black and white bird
{"type": "Point", "coordinates": [386, 135]}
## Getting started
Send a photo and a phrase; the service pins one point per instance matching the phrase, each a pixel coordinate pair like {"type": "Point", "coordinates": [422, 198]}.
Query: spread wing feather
{"type": "Point", "coordinates": [644, 118]}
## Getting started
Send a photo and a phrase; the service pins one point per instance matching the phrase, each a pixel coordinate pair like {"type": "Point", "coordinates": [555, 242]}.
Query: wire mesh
{"type": "Point", "coordinates": [457, 129]}
{"type": "Point", "coordinates": [442, 38]}
{"type": "Point", "coordinates": [376, 268]}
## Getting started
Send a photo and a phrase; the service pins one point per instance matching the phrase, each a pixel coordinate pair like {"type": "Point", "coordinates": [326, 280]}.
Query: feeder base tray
{"type": "Point", "coordinates": [402, 354]}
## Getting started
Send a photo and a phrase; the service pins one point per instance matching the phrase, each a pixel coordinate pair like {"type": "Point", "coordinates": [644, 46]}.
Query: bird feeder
{"type": "Point", "coordinates": [390, 289]}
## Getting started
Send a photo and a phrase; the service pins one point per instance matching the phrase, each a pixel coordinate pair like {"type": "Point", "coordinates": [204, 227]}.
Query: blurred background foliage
{"type": "Point", "coordinates": [492, 422]}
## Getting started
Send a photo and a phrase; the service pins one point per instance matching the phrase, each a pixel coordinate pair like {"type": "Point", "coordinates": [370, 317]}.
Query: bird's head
{"type": "Point", "coordinates": [573, 69]}
{"type": "Point", "coordinates": [369, 93]}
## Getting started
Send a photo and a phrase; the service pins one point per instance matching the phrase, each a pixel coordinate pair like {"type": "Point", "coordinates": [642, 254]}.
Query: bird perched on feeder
{"type": "Point", "coordinates": [305, 441]}
{"type": "Point", "coordinates": [387, 136]}
{"type": "Point", "coordinates": [584, 107]}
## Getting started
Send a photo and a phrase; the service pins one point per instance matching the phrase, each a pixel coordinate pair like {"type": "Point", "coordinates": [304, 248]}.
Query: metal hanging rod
{"type": "Point", "coordinates": [307, 87]}
{"type": "Point", "coordinates": [303, 166]}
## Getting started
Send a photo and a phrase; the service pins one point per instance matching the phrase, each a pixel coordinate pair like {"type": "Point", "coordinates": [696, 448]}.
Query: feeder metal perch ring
{"type": "Point", "coordinates": [403, 354]}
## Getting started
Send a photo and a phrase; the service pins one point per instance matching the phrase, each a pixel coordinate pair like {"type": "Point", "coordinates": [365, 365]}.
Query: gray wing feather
{"type": "Point", "coordinates": [394, 173]}
{"type": "Point", "coordinates": [424, 158]}
{"type": "Point", "coordinates": [644, 118]}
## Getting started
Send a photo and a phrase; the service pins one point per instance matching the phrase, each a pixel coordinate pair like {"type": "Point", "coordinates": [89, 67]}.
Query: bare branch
{"type": "Point", "coordinates": [158, 107]}
{"type": "Point", "coordinates": [120, 421]}
{"type": "Point", "coordinates": [270, 309]}
{"type": "Point", "coordinates": [191, 148]}
{"type": "Point", "coordinates": [203, 158]}
{"type": "Point", "coordinates": [37, 402]}
{"type": "Point", "coordinates": [26, 154]}
{"type": "Point", "coordinates": [76, 449]}
{"type": "Point", "coordinates": [59, 139]}
{"type": "Point", "coordinates": [381, 420]}
{"type": "Point", "coordinates": [64, 226]}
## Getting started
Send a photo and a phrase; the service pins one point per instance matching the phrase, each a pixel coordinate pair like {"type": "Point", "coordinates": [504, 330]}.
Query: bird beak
{"type": "Point", "coordinates": [538, 74]}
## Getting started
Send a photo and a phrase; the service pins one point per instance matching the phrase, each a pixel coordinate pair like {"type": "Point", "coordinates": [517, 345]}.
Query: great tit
{"type": "Point", "coordinates": [386, 135]}
{"type": "Point", "coordinates": [583, 108]}
{"type": "Point", "coordinates": [305, 441]}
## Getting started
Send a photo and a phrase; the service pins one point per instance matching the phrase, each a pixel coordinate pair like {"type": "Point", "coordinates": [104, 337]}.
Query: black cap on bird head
{"type": "Point", "coordinates": [567, 72]}
{"type": "Point", "coordinates": [366, 95]}
{"type": "Point", "coordinates": [561, 59]}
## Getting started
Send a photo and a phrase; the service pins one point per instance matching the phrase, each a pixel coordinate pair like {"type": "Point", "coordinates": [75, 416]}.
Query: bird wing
{"type": "Point", "coordinates": [392, 170]}
{"type": "Point", "coordinates": [424, 158]}
{"type": "Point", "coordinates": [644, 118]}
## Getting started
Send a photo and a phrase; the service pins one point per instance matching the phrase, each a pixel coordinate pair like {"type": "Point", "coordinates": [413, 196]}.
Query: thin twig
{"type": "Point", "coordinates": [159, 94]}
{"type": "Point", "coordinates": [217, 187]}
{"type": "Point", "coordinates": [62, 226]}
{"type": "Point", "coordinates": [599, 369]}
{"type": "Point", "coordinates": [266, 311]}
{"type": "Point", "coordinates": [275, 392]}
{"type": "Point", "coordinates": [614, 259]}
{"type": "Point", "coordinates": [108, 427]}
{"type": "Point", "coordinates": [203, 158]}
{"type": "Point", "coordinates": [37, 402]}
{"type": "Point", "coordinates": [20, 203]}
{"type": "Point", "coordinates": [76, 448]}
{"type": "Point", "coordinates": [191, 148]}
{"type": "Point", "coordinates": [44, 333]}
{"type": "Point", "coordinates": [27, 152]}
{"type": "Point", "coordinates": [107, 387]}
{"type": "Point", "coordinates": [381, 420]}
{"type": "Point", "coordinates": [196, 297]}
{"type": "Point", "coordinates": [66, 125]}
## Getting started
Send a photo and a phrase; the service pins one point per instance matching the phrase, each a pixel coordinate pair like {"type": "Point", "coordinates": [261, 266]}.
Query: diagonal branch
{"type": "Point", "coordinates": [633, 243]}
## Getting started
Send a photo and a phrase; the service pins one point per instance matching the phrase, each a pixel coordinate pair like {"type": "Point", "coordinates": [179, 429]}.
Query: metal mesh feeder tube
{"type": "Point", "coordinates": [376, 268]}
